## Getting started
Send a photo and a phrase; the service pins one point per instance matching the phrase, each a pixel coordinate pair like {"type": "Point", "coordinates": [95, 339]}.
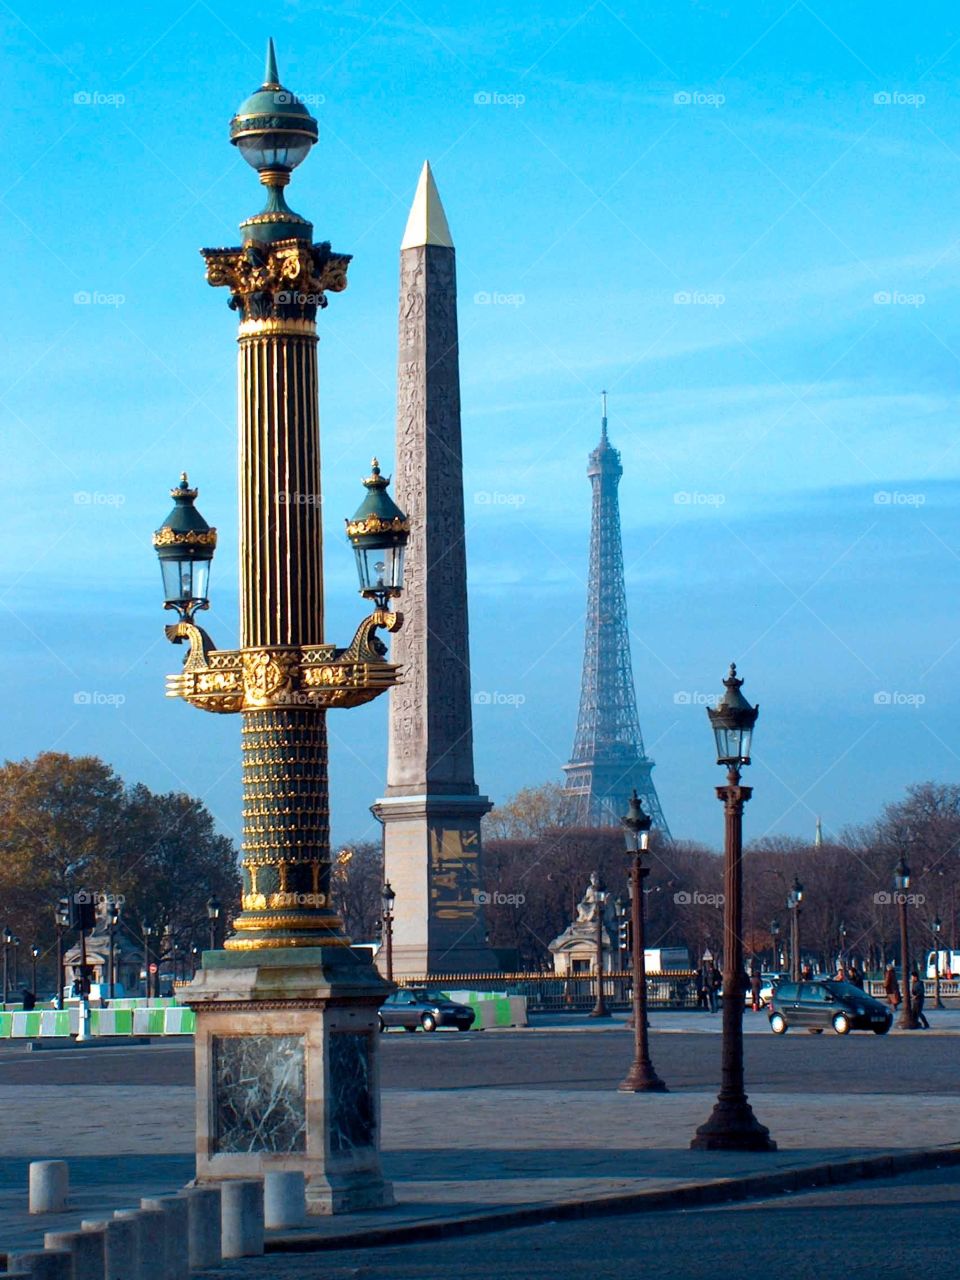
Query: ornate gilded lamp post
{"type": "Point", "coordinates": [286, 1001]}
{"type": "Point", "coordinates": [733, 1126]}
{"type": "Point", "coordinates": [901, 883]}
{"type": "Point", "coordinates": [641, 1078]}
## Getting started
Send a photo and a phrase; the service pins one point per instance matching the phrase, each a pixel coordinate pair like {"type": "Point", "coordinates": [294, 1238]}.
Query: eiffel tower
{"type": "Point", "coordinates": [608, 758]}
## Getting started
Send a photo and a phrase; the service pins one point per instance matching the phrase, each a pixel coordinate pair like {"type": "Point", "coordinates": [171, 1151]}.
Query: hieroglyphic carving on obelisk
{"type": "Point", "coordinates": [432, 808]}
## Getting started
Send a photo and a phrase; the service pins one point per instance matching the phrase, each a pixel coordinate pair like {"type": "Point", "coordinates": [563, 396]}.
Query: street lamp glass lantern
{"type": "Point", "coordinates": [936, 924]}
{"type": "Point", "coordinates": [901, 875]}
{"type": "Point", "coordinates": [185, 544]}
{"type": "Point", "coordinates": [213, 909]}
{"type": "Point", "coordinates": [732, 721]}
{"type": "Point", "coordinates": [378, 533]}
{"type": "Point", "coordinates": [636, 824]}
{"type": "Point", "coordinates": [388, 897]}
{"type": "Point", "coordinates": [273, 130]}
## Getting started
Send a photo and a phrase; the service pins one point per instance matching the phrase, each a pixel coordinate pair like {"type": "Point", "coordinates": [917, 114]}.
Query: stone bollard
{"type": "Point", "coordinates": [122, 1246]}
{"type": "Point", "coordinates": [87, 1251]}
{"type": "Point", "coordinates": [52, 1264]}
{"type": "Point", "coordinates": [284, 1199]}
{"type": "Point", "coordinates": [176, 1250]}
{"type": "Point", "coordinates": [241, 1218]}
{"type": "Point", "coordinates": [204, 1229]}
{"type": "Point", "coordinates": [49, 1183]}
{"type": "Point", "coordinates": [151, 1228]}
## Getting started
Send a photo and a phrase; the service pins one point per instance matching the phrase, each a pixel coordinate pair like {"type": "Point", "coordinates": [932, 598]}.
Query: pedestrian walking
{"type": "Point", "coordinates": [756, 984]}
{"type": "Point", "coordinates": [891, 986]}
{"type": "Point", "coordinates": [855, 977]}
{"type": "Point", "coordinates": [716, 981]}
{"type": "Point", "coordinates": [918, 995]}
{"type": "Point", "coordinates": [806, 973]}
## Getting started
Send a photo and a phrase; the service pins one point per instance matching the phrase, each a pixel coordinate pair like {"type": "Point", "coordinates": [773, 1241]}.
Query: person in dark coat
{"type": "Point", "coordinates": [918, 995]}
{"type": "Point", "coordinates": [756, 983]}
{"type": "Point", "coordinates": [855, 977]}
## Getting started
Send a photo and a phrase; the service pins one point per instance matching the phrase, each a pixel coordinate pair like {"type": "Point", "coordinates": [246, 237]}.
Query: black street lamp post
{"type": "Point", "coordinates": [147, 932]}
{"type": "Point", "coordinates": [600, 1009]}
{"type": "Point", "coordinates": [775, 944]}
{"type": "Point", "coordinates": [901, 883]}
{"type": "Point", "coordinates": [387, 899]}
{"type": "Point", "coordinates": [16, 962]}
{"type": "Point", "coordinates": [34, 957]}
{"type": "Point", "coordinates": [936, 924]}
{"type": "Point", "coordinates": [732, 1125]}
{"type": "Point", "coordinates": [641, 1078]}
{"type": "Point", "coordinates": [794, 898]}
{"type": "Point", "coordinates": [61, 914]}
{"type": "Point", "coordinates": [7, 944]}
{"type": "Point", "coordinates": [213, 920]}
{"type": "Point", "coordinates": [113, 919]}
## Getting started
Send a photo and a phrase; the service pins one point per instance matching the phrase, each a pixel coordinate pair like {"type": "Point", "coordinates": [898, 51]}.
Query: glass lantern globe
{"type": "Point", "coordinates": [732, 721]}
{"type": "Point", "coordinates": [378, 533]}
{"type": "Point", "coordinates": [185, 544]}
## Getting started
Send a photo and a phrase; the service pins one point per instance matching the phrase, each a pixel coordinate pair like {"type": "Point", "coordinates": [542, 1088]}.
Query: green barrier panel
{"type": "Point", "coordinates": [504, 1016]}
{"type": "Point", "coordinates": [6, 1025]}
{"type": "Point", "coordinates": [123, 1022]}
{"type": "Point", "coordinates": [179, 1022]}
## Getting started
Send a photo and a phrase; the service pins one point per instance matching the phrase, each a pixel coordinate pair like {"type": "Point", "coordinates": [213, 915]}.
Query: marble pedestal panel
{"type": "Point", "coordinates": [431, 848]}
{"type": "Point", "coordinates": [287, 1071]}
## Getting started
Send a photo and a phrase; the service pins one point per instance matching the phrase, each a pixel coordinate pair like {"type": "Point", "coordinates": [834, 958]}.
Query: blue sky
{"type": "Point", "coordinates": [742, 220]}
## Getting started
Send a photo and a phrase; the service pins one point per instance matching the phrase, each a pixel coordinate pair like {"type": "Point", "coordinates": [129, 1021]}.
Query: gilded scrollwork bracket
{"type": "Point", "coordinates": [229, 680]}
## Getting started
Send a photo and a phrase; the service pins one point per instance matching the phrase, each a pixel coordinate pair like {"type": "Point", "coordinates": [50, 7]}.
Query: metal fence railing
{"type": "Point", "coordinates": [552, 993]}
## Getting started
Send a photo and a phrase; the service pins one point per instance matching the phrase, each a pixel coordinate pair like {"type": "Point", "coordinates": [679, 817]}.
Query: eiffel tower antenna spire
{"type": "Point", "coordinates": [608, 758]}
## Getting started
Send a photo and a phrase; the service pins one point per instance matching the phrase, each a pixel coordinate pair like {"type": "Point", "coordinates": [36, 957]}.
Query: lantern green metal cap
{"type": "Point", "coordinates": [185, 534]}
{"type": "Point", "coordinates": [378, 514]}
{"type": "Point", "coordinates": [273, 109]}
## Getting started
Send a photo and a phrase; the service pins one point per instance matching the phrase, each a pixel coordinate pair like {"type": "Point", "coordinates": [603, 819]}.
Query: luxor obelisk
{"type": "Point", "coordinates": [432, 808]}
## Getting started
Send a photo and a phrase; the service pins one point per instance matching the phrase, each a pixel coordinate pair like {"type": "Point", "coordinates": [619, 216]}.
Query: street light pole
{"type": "Point", "coordinates": [936, 924]}
{"type": "Point", "coordinates": [901, 881]}
{"type": "Point", "coordinates": [16, 962]}
{"type": "Point", "coordinates": [7, 940]}
{"type": "Point", "coordinates": [794, 898]}
{"type": "Point", "coordinates": [61, 914]}
{"type": "Point", "coordinates": [732, 1125]}
{"type": "Point", "coordinates": [599, 1009]}
{"type": "Point", "coordinates": [113, 919]}
{"type": "Point", "coordinates": [387, 899]}
{"type": "Point", "coordinates": [213, 917]}
{"type": "Point", "coordinates": [147, 931]}
{"type": "Point", "coordinates": [641, 1078]}
{"type": "Point", "coordinates": [775, 944]}
{"type": "Point", "coordinates": [34, 955]}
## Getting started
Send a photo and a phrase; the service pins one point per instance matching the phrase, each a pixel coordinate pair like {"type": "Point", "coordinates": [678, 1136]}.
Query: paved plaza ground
{"type": "Point", "coordinates": [489, 1122]}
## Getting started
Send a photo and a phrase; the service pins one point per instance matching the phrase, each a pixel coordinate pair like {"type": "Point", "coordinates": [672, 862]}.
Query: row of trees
{"type": "Point", "coordinates": [69, 823]}
{"type": "Point", "coordinates": [848, 904]}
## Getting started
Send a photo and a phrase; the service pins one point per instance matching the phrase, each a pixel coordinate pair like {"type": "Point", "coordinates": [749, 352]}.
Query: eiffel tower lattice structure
{"type": "Point", "coordinates": [608, 758]}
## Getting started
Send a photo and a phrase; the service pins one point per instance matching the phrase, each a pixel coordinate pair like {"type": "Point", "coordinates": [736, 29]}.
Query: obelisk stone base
{"type": "Point", "coordinates": [288, 1071]}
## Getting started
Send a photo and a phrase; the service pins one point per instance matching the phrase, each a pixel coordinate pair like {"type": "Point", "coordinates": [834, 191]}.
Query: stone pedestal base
{"type": "Point", "coordinates": [431, 850]}
{"type": "Point", "coordinates": [288, 1071]}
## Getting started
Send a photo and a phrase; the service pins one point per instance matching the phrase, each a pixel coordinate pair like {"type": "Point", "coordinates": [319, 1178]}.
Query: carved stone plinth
{"type": "Point", "coordinates": [287, 1071]}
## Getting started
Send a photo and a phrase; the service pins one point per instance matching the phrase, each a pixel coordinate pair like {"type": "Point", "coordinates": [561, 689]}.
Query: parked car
{"type": "Point", "coordinates": [410, 1008]}
{"type": "Point", "coordinates": [768, 984]}
{"type": "Point", "coordinates": [820, 1004]}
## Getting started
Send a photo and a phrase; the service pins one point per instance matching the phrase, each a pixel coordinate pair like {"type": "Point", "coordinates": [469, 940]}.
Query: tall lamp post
{"type": "Point", "coordinates": [7, 944]}
{"type": "Point", "coordinates": [213, 920]}
{"type": "Point", "coordinates": [732, 1125]}
{"type": "Point", "coordinates": [16, 962]}
{"type": "Point", "coordinates": [622, 913]}
{"type": "Point", "coordinates": [147, 933]}
{"type": "Point", "coordinates": [794, 898]}
{"type": "Point", "coordinates": [287, 951]}
{"type": "Point", "coordinates": [34, 957]}
{"type": "Point", "coordinates": [113, 919]}
{"type": "Point", "coordinates": [843, 943]}
{"type": "Point", "coordinates": [775, 944]}
{"type": "Point", "coordinates": [936, 925]}
{"type": "Point", "coordinates": [901, 883]}
{"type": "Point", "coordinates": [641, 1078]}
{"type": "Point", "coordinates": [599, 1009]}
{"type": "Point", "coordinates": [387, 899]}
{"type": "Point", "coordinates": [61, 915]}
